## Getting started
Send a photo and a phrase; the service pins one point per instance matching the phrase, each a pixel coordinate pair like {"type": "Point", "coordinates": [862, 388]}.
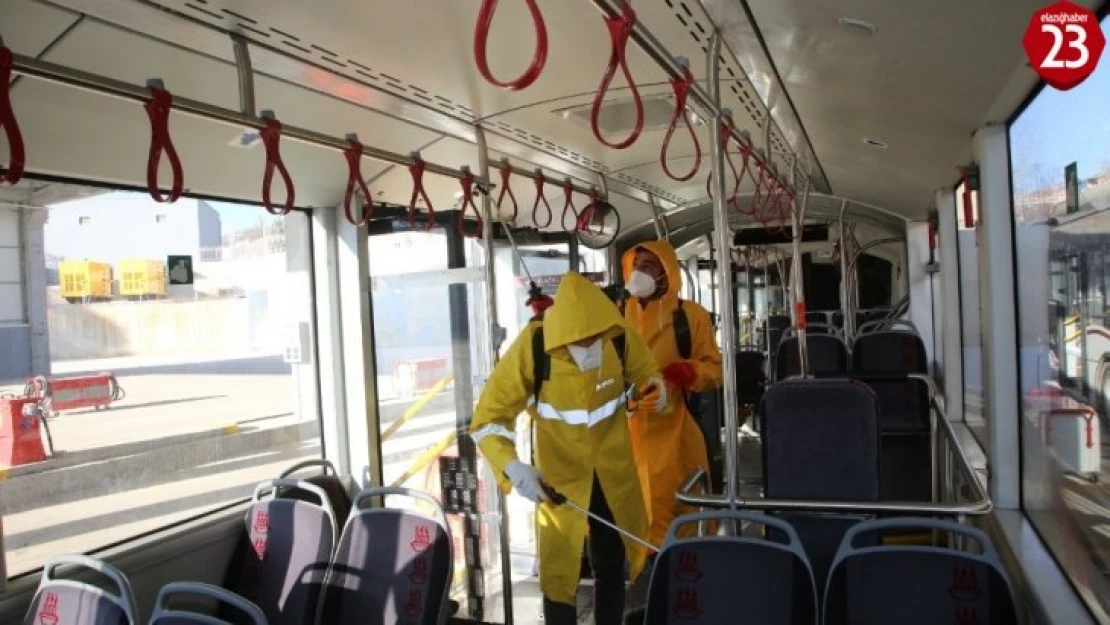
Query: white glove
{"type": "Point", "coordinates": [526, 480]}
{"type": "Point", "coordinates": [659, 390]}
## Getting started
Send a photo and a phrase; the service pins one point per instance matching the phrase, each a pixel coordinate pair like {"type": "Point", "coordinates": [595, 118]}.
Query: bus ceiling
{"type": "Point", "coordinates": [339, 67]}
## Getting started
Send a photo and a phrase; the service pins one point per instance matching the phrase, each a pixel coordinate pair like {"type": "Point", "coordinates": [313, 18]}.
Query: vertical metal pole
{"type": "Point", "coordinates": [495, 331]}
{"type": "Point", "coordinates": [724, 278]}
{"type": "Point", "coordinates": [246, 76]}
{"type": "Point", "coordinates": [799, 307]}
{"type": "Point", "coordinates": [714, 262]}
{"type": "Point", "coordinates": [845, 308]}
{"type": "Point", "coordinates": [750, 280]}
{"type": "Point", "coordinates": [656, 218]}
{"type": "Point", "coordinates": [459, 307]}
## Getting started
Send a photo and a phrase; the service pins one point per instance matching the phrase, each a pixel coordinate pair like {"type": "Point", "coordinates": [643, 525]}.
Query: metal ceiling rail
{"type": "Point", "coordinates": [668, 63]}
{"type": "Point", "coordinates": [50, 72]}
{"type": "Point", "coordinates": [536, 173]}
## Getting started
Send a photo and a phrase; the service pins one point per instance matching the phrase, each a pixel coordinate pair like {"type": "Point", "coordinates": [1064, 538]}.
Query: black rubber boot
{"type": "Point", "coordinates": [555, 613]}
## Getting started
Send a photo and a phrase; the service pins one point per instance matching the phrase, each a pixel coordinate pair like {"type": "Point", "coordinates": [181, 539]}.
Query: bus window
{"type": "Point", "coordinates": [1060, 165]}
{"type": "Point", "coordinates": [970, 317]}
{"type": "Point", "coordinates": [203, 314]}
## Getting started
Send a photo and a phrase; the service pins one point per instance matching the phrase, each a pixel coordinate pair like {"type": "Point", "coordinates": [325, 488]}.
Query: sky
{"type": "Point", "coordinates": [1059, 127]}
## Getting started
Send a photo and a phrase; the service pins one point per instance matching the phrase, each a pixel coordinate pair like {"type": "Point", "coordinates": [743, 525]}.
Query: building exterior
{"type": "Point", "coordinates": [121, 225]}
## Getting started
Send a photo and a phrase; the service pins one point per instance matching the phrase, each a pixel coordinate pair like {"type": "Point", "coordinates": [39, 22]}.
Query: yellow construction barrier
{"type": "Point", "coordinates": [426, 458]}
{"type": "Point", "coordinates": [416, 407]}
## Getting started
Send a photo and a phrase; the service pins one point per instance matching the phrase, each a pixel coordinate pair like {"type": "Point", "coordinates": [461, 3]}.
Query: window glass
{"type": "Point", "coordinates": [203, 314]}
{"type": "Point", "coordinates": [1060, 167]}
{"type": "Point", "coordinates": [971, 334]}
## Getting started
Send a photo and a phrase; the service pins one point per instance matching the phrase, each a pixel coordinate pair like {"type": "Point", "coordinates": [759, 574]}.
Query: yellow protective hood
{"type": "Point", "coordinates": [665, 252]}
{"type": "Point", "coordinates": [581, 310]}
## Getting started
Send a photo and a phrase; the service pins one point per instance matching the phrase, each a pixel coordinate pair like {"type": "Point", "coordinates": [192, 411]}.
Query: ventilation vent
{"type": "Point", "coordinates": [617, 117]}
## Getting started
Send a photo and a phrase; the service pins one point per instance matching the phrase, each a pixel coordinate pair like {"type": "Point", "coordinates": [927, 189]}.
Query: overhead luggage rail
{"type": "Point", "coordinates": [979, 501]}
{"type": "Point", "coordinates": [70, 77]}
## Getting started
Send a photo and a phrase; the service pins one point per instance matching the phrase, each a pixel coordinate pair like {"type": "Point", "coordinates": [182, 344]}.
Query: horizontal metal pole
{"type": "Point", "coordinates": [534, 174]}
{"type": "Point", "coordinates": [50, 72]}
{"type": "Point", "coordinates": [979, 505]}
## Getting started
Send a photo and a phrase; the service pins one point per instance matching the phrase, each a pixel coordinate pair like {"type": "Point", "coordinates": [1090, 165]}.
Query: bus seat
{"type": "Point", "coordinates": [821, 442]}
{"type": "Point", "coordinates": [391, 565]}
{"type": "Point", "coordinates": [164, 615]}
{"type": "Point", "coordinates": [290, 543]}
{"type": "Point", "coordinates": [774, 326]}
{"type": "Point", "coordinates": [828, 355]}
{"type": "Point", "coordinates": [750, 376]}
{"type": "Point", "coordinates": [339, 496]}
{"type": "Point", "coordinates": [732, 579]}
{"type": "Point", "coordinates": [913, 584]}
{"type": "Point", "coordinates": [889, 351]}
{"type": "Point", "coordinates": [76, 602]}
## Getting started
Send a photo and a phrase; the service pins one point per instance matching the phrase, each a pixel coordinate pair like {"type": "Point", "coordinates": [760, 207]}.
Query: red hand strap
{"type": "Point", "coordinates": [271, 138]}
{"type": "Point", "coordinates": [481, 37]}
{"type": "Point", "coordinates": [568, 205]}
{"type": "Point", "coordinates": [417, 172]}
{"type": "Point", "coordinates": [725, 131]}
{"type": "Point", "coordinates": [540, 198]}
{"type": "Point", "coordinates": [354, 177]}
{"type": "Point", "coordinates": [467, 182]}
{"type": "Point", "coordinates": [158, 110]}
{"type": "Point", "coordinates": [586, 217]}
{"type": "Point", "coordinates": [620, 29]}
{"type": "Point", "coordinates": [14, 173]}
{"type": "Point", "coordinates": [506, 172]}
{"type": "Point", "coordinates": [681, 89]}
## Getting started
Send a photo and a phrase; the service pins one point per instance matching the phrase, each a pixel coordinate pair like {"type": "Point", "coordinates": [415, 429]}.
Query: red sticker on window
{"type": "Point", "coordinates": [1064, 43]}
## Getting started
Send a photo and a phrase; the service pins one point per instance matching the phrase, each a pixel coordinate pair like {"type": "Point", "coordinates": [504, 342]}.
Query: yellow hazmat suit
{"type": "Point", "coordinates": [668, 447]}
{"type": "Point", "coordinates": [581, 427]}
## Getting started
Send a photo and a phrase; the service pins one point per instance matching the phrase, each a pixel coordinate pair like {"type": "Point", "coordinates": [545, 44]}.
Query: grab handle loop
{"type": "Point", "coordinates": [354, 177]}
{"type": "Point", "coordinates": [481, 38]}
{"type": "Point", "coordinates": [467, 182]}
{"type": "Point", "coordinates": [271, 138]}
{"type": "Point", "coordinates": [540, 180]}
{"type": "Point", "coordinates": [14, 173]}
{"type": "Point", "coordinates": [681, 87]}
{"type": "Point", "coordinates": [158, 110]}
{"type": "Point", "coordinates": [416, 170]}
{"type": "Point", "coordinates": [506, 172]}
{"type": "Point", "coordinates": [587, 215]}
{"type": "Point", "coordinates": [620, 30]}
{"type": "Point", "coordinates": [568, 205]}
{"type": "Point", "coordinates": [725, 133]}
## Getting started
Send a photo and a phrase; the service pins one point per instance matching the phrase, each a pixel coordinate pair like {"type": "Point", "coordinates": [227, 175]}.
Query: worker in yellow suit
{"type": "Point", "coordinates": [583, 450]}
{"type": "Point", "coordinates": [668, 447]}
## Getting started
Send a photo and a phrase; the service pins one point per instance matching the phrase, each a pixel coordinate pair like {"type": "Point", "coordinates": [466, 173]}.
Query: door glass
{"type": "Point", "coordinates": [428, 301]}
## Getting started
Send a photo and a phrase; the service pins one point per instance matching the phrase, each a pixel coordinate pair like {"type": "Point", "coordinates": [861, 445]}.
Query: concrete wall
{"type": "Point", "coordinates": [130, 328]}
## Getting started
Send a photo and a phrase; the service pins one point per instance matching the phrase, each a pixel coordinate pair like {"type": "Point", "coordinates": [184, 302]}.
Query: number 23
{"type": "Point", "coordinates": [1079, 43]}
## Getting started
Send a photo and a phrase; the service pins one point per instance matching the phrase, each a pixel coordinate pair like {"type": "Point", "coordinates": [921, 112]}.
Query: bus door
{"type": "Point", "coordinates": [431, 337]}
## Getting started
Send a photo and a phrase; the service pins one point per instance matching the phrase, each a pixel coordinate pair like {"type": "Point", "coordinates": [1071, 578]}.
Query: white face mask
{"type": "Point", "coordinates": [588, 357]}
{"type": "Point", "coordinates": [640, 284]}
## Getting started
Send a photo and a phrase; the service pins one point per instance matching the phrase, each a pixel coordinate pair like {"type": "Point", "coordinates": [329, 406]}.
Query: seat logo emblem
{"type": "Point", "coordinates": [686, 605]}
{"type": "Point", "coordinates": [965, 586]}
{"type": "Point", "coordinates": [49, 613]}
{"type": "Point", "coordinates": [686, 568]}
{"type": "Point", "coordinates": [421, 538]}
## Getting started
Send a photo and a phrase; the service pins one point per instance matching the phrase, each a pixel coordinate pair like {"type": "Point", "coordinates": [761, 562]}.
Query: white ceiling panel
{"type": "Point", "coordinates": [39, 25]}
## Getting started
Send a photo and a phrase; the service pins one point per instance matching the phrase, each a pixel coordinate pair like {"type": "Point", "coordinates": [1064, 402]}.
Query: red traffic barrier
{"type": "Point", "coordinates": [20, 437]}
{"type": "Point", "coordinates": [94, 391]}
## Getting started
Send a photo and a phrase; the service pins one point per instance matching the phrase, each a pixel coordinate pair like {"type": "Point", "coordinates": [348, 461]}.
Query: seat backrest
{"type": "Point", "coordinates": [391, 566]}
{"type": "Point", "coordinates": [332, 484]}
{"type": "Point", "coordinates": [750, 376]}
{"type": "Point", "coordinates": [732, 579]}
{"type": "Point", "coordinates": [889, 351]}
{"type": "Point", "coordinates": [290, 543]}
{"type": "Point", "coordinates": [72, 602]}
{"type": "Point", "coordinates": [828, 355]}
{"type": "Point", "coordinates": [776, 325]}
{"type": "Point", "coordinates": [879, 325]}
{"type": "Point", "coordinates": [821, 440]}
{"type": "Point", "coordinates": [164, 615]}
{"type": "Point", "coordinates": [914, 585]}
